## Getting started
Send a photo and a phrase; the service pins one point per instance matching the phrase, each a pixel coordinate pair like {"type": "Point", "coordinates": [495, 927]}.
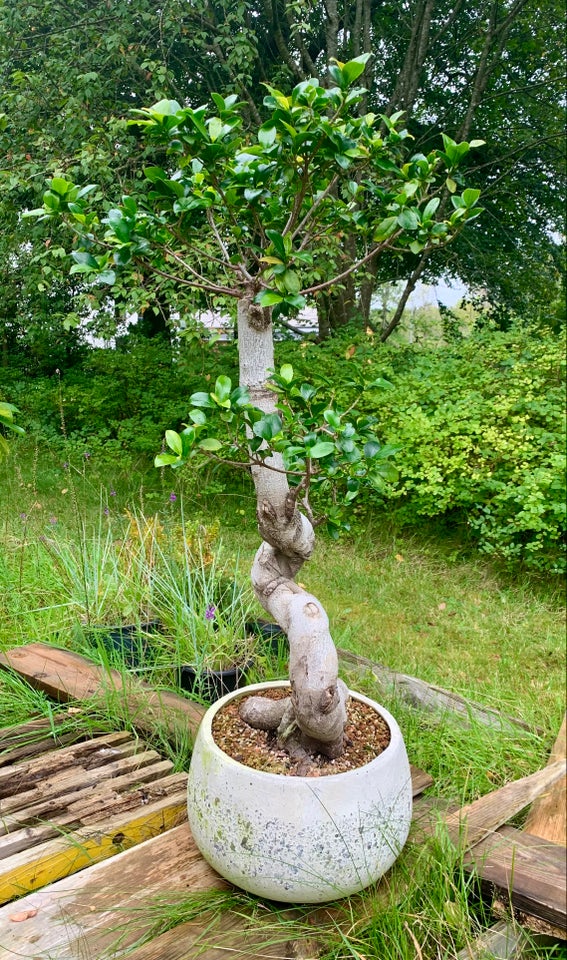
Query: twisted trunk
{"type": "Point", "coordinates": [313, 718]}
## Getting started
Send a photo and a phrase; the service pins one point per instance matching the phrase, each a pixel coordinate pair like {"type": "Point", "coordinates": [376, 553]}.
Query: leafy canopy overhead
{"type": "Point", "coordinates": [232, 212]}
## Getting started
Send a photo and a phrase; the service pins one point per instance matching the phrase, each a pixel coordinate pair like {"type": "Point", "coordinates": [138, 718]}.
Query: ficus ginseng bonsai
{"type": "Point", "coordinates": [261, 217]}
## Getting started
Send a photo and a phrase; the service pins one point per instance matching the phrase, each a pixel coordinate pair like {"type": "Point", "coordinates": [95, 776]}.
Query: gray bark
{"type": "Point", "coordinates": [315, 715]}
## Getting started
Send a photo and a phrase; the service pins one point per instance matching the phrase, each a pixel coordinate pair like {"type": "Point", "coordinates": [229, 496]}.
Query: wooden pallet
{"type": "Point", "coordinates": [84, 914]}
{"type": "Point", "coordinates": [69, 807]}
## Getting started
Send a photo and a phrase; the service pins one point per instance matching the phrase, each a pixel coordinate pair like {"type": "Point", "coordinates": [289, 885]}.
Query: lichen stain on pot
{"type": "Point", "coordinates": [299, 839]}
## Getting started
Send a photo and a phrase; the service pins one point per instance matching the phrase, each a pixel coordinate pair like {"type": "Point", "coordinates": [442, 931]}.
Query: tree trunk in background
{"type": "Point", "coordinates": [316, 712]}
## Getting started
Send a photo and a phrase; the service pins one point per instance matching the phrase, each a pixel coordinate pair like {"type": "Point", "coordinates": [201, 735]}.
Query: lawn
{"type": "Point", "coordinates": [418, 601]}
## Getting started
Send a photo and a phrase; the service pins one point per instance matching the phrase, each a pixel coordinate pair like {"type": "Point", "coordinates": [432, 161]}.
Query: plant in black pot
{"type": "Point", "coordinates": [204, 612]}
{"type": "Point", "coordinates": [104, 583]}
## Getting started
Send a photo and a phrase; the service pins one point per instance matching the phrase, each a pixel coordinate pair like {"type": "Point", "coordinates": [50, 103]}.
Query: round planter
{"type": "Point", "coordinates": [299, 839]}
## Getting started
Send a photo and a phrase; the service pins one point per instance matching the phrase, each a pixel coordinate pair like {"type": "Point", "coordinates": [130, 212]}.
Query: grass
{"type": "Point", "coordinates": [416, 602]}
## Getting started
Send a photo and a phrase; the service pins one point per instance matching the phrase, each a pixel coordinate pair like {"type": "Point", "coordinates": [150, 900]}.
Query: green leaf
{"type": "Point", "coordinates": [84, 258]}
{"type": "Point", "coordinates": [268, 426]}
{"type": "Point", "coordinates": [201, 400]}
{"type": "Point", "coordinates": [215, 126]}
{"type": "Point", "coordinates": [278, 243]}
{"type": "Point", "coordinates": [286, 372]}
{"type": "Point", "coordinates": [165, 460]}
{"type": "Point", "coordinates": [385, 229]}
{"type": "Point", "coordinates": [430, 208]}
{"type": "Point", "coordinates": [267, 134]}
{"type": "Point", "coordinates": [321, 449]}
{"type": "Point", "coordinates": [60, 186]}
{"type": "Point", "coordinates": [165, 108]}
{"type": "Point", "coordinates": [408, 220]}
{"type": "Point", "coordinates": [198, 417]}
{"type": "Point", "coordinates": [332, 418]}
{"type": "Point", "coordinates": [107, 276]}
{"type": "Point", "coordinates": [223, 386]}
{"type": "Point", "coordinates": [371, 448]}
{"type": "Point", "coordinates": [174, 442]}
{"type": "Point", "coordinates": [210, 444]}
{"type": "Point", "coordinates": [354, 68]}
{"type": "Point", "coordinates": [291, 282]}
{"type": "Point", "coordinates": [470, 197]}
{"type": "Point", "coordinates": [269, 298]}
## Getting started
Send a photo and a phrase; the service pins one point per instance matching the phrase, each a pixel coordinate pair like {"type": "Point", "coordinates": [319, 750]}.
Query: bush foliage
{"type": "Point", "coordinates": [481, 430]}
{"type": "Point", "coordinates": [479, 423]}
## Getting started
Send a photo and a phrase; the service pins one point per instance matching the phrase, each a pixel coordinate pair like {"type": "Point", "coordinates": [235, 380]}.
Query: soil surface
{"type": "Point", "coordinates": [366, 735]}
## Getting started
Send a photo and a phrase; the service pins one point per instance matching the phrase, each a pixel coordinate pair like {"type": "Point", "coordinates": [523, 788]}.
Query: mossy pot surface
{"type": "Point", "coordinates": [299, 839]}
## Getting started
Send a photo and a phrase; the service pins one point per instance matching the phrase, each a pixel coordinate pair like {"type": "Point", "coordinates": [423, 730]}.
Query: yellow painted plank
{"type": "Point", "coordinates": [31, 869]}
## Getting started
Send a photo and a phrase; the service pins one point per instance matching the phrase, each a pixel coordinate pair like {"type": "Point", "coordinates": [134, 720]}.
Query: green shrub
{"type": "Point", "coordinates": [480, 424]}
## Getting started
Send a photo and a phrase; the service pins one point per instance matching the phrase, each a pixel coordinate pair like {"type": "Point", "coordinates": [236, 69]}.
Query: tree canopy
{"type": "Point", "coordinates": [72, 71]}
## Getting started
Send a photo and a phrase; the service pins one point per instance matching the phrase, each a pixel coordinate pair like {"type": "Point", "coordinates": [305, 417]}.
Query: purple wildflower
{"type": "Point", "coordinates": [172, 497]}
{"type": "Point", "coordinates": [210, 612]}
{"type": "Point", "coordinates": [65, 466]}
{"type": "Point", "coordinates": [23, 516]}
{"type": "Point", "coordinates": [87, 455]}
{"type": "Point", "coordinates": [53, 520]}
{"type": "Point", "coordinates": [106, 511]}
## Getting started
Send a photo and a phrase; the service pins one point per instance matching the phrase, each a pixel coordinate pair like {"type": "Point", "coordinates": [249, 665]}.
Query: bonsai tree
{"type": "Point", "coordinates": [272, 218]}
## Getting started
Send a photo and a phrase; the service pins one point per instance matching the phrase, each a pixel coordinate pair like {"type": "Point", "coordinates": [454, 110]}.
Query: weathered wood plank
{"type": "Point", "coordinates": [110, 901]}
{"type": "Point", "coordinates": [59, 790]}
{"type": "Point", "coordinates": [38, 866]}
{"type": "Point", "coordinates": [52, 803]}
{"type": "Point", "coordinates": [475, 821]}
{"type": "Point", "coordinates": [427, 696]}
{"type": "Point", "coordinates": [548, 815]}
{"type": "Point", "coordinates": [97, 751]}
{"type": "Point", "coordinates": [35, 737]}
{"type": "Point", "coordinates": [65, 675]}
{"type": "Point", "coordinates": [530, 871]}
{"type": "Point", "coordinates": [89, 809]}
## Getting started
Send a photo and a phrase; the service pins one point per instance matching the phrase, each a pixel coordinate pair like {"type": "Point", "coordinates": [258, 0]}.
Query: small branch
{"type": "Point", "coordinates": [202, 281]}
{"type": "Point", "coordinates": [355, 266]}
{"type": "Point", "coordinates": [316, 204]}
{"type": "Point", "coordinates": [218, 238]}
{"type": "Point", "coordinates": [195, 285]}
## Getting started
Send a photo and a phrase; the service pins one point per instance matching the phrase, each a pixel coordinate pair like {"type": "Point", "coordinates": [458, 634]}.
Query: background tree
{"type": "Point", "coordinates": [259, 218]}
{"type": "Point", "coordinates": [70, 72]}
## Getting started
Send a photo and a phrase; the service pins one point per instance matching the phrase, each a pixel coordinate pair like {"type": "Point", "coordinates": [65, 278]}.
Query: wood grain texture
{"type": "Point", "coordinates": [475, 821]}
{"type": "Point", "coordinates": [84, 915]}
{"type": "Point", "coordinates": [548, 816]}
{"type": "Point", "coordinates": [528, 870]}
{"type": "Point", "coordinates": [426, 696]}
{"type": "Point", "coordinates": [65, 675]}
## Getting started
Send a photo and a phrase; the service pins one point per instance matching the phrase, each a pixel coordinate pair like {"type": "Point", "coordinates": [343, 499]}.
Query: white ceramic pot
{"type": "Point", "coordinates": [299, 839]}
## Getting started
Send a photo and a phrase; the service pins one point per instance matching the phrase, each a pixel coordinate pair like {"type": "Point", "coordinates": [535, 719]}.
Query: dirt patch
{"type": "Point", "coordinates": [366, 736]}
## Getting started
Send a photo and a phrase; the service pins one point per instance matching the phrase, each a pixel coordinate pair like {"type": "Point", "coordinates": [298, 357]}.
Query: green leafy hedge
{"type": "Point", "coordinates": [481, 428]}
{"type": "Point", "coordinates": [480, 423]}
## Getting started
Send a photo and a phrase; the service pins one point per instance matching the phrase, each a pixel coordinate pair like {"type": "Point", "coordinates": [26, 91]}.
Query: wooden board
{"type": "Point", "coordinates": [65, 809]}
{"type": "Point", "coordinates": [65, 675]}
{"type": "Point", "coordinates": [473, 822]}
{"type": "Point", "coordinates": [548, 815]}
{"type": "Point", "coordinates": [528, 870]}
{"type": "Point", "coordinates": [427, 696]}
{"type": "Point", "coordinates": [112, 900]}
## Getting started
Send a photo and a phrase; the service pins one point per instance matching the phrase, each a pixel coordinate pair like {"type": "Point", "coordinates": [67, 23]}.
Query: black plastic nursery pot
{"type": "Point", "coordinates": [271, 633]}
{"type": "Point", "coordinates": [210, 685]}
{"type": "Point", "coordinates": [132, 641]}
